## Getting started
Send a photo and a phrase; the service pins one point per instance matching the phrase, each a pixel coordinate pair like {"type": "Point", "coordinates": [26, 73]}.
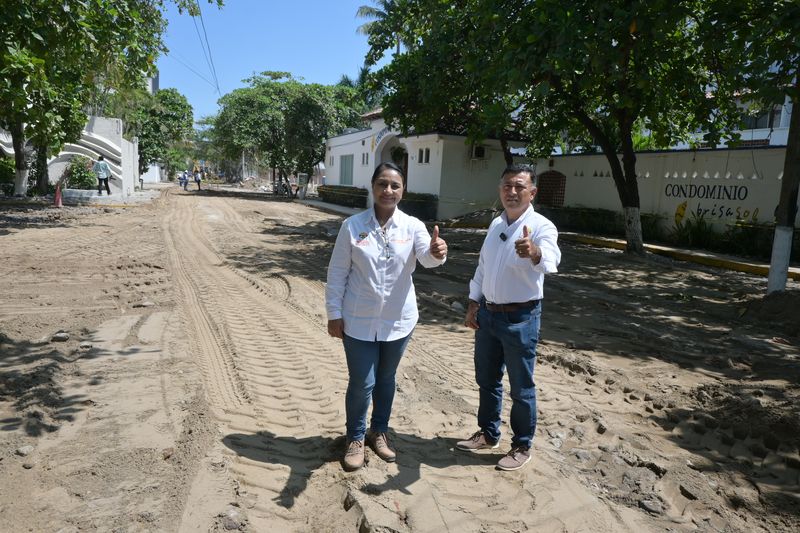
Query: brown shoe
{"type": "Point", "coordinates": [354, 456]}
{"type": "Point", "coordinates": [380, 445]}
{"type": "Point", "coordinates": [477, 441]}
{"type": "Point", "coordinates": [515, 459]}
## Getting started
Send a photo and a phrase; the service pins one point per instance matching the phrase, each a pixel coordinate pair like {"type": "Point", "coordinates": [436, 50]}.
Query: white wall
{"type": "Point", "coordinates": [722, 184]}
{"type": "Point", "coordinates": [469, 184]}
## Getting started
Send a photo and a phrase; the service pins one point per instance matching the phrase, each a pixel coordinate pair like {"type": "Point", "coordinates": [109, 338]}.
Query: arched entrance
{"type": "Point", "coordinates": [391, 150]}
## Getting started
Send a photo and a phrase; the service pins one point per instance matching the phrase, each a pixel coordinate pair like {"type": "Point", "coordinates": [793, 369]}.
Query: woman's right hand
{"type": "Point", "coordinates": [336, 328]}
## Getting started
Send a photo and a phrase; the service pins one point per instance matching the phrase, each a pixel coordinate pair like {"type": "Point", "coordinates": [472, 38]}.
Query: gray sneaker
{"type": "Point", "coordinates": [354, 456]}
{"type": "Point", "coordinates": [380, 445]}
{"type": "Point", "coordinates": [515, 459]}
{"type": "Point", "coordinates": [477, 441]}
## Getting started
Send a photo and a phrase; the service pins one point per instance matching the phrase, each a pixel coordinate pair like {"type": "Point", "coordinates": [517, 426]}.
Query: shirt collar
{"type": "Point", "coordinates": [521, 217]}
{"type": "Point", "coordinates": [393, 220]}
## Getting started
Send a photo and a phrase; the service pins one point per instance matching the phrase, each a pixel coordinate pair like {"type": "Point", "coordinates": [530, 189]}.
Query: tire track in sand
{"type": "Point", "coordinates": [269, 381]}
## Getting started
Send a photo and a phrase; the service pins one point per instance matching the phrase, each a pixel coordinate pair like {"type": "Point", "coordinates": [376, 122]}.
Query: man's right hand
{"type": "Point", "coordinates": [336, 328]}
{"type": "Point", "coordinates": [471, 320]}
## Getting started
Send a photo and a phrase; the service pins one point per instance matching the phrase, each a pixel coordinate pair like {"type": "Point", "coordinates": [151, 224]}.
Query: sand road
{"type": "Point", "coordinates": [199, 390]}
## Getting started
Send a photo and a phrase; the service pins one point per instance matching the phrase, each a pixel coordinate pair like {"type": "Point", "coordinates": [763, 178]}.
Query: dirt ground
{"type": "Point", "coordinates": [198, 389]}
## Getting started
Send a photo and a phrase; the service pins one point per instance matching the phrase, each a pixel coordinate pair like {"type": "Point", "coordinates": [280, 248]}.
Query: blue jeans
{"type": "Point", "coordinates": [507, 341]}
{"type": "Point", "coordinates": [372, 366]}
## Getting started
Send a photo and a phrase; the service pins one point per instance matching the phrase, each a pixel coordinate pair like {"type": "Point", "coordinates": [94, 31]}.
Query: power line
{"type": "Point", "coordinates": [203, 47]}
{"type": "Point", "coordinates": [196, 73]}
{"type": "Point", "coordinates": [208, 45]}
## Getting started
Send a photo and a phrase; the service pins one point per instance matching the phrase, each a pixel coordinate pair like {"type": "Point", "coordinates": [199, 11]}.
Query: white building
{"type": "Point", "coordinates": [100, 136]}
{"type": "Point", "coordinates": [463, 176]}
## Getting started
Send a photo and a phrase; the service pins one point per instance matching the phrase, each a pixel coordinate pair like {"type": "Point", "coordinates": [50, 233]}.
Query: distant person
{"type": "Point", "coordinates": [103, 172]}
{"type": "Point", "coordinates": [372, 307]}
{"type": "Point", "coordinates": [505, 309]}
{"type": "Point", "coordinates": [198, 177]}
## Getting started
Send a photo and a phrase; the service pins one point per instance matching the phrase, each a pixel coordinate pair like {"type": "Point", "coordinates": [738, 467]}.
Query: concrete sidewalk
{"type": "Point", "coordinates": [700, 257]}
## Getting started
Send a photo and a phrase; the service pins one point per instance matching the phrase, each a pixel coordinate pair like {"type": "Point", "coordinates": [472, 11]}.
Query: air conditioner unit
{"type": "Point", "coordinates": [477, 151]}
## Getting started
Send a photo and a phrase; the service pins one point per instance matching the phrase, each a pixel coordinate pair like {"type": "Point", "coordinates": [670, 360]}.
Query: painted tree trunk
{"type": "Point", "coordinates": [20, 161]}
{"type": "Point", "coordinates": [787, 206]}
{"type": "Point", "coordinates": [633, 230]}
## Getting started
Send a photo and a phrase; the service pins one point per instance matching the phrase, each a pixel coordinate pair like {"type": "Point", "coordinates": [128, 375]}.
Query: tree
{"type": "Point", "coordinates": [377, 14]}
{"type": "Point", "coordinates": [166, 124]}
{"type": "Point", "coordinates": [760, 58]}
{"type": "Point", "coordinates": [549, 69]}
{"type": "Point", "coordinates": [53, 53]}
{"type": "Point", "coordinates": [284, 121]}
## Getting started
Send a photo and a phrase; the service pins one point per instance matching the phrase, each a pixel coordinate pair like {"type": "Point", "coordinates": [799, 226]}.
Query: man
{"type": "Point", "coordinates": [505, 310]}
{"type": "Point", "coordinates": [103, 172]}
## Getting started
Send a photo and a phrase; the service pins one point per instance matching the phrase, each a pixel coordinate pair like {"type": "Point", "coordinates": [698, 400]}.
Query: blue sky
{"type": "Point", "coordinates": [313, 39]}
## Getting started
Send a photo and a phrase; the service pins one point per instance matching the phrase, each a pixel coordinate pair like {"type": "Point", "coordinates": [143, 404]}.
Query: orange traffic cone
{"type": "Point", "coordinates": [57, 201]}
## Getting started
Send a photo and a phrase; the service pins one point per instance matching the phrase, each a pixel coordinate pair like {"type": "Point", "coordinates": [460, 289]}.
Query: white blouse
{"type": "Point", "coordinates": [369, 275]}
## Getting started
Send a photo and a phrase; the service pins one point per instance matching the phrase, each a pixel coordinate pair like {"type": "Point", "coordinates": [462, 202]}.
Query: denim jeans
{"type": "Point", "coordinates": [507, 341]}
{"type": "Point", "coordinates": [372, 366]}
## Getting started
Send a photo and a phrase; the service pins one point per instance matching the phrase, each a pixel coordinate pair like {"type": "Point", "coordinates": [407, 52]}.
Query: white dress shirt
{"type": "Point", "coordinates": [369, 275]}
{"type": "Point", "coordinates": [502, 276]}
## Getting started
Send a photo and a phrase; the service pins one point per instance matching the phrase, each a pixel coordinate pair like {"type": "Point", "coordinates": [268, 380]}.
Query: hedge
{"type": "Point", "coordinates": [420, 205]}
{"type": "Point", "coordinates": [343, 195]}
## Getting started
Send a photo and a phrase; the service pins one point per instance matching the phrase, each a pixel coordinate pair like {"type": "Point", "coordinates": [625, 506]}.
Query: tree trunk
{"type": "Point", "coordinates": [624, 179]}
{"type": "Point", "coordinates": [633, 219]}
{"type": "Point", "coordinates": [787, 206]}
{"type": "Point", "coordinates": [506, 151]}
{"type": "Point", "coordinates": [42, 174]}
{"type": "Point", "coordinates": [20, 162]}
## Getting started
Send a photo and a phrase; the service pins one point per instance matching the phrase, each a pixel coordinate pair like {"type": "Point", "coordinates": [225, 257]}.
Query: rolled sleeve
{"type": "Point", "coordinates": [338, 272]}
{"type": "Point", "coordinates": [547, 241]}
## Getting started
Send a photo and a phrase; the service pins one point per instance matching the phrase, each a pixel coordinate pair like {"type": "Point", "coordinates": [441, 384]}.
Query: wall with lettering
{"type": "Point", "coordinates": [722, 186]}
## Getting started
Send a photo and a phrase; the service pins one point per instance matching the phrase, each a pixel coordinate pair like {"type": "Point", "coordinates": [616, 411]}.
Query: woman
{"type": "Point", "coordinates": [372, 307]}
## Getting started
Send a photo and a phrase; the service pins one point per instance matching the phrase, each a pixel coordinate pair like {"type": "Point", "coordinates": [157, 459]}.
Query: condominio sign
{"type": "Point", "coordinates": [707, 192]}
{"type": "Point", "coordinates": [718, 201]}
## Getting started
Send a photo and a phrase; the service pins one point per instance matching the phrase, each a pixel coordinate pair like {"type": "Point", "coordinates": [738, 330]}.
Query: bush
{"type": "Point", "coordinates": [343, 195]}
{"type": "Point", "coordinates": [7, 175]}
{"type": "Point", "coordinates": [696, 232]}
{"type": "Point", "coordinates": [420, 205]}
{"type": "Point", "coordinates": [79, 175]}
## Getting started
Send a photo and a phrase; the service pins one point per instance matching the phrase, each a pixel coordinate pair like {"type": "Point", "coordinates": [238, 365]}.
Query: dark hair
{"type": "Point", "coordinates": [517, 168]}
{"type": "Point", "coordinates": [387, 166]}
{"type": "Point", "coordinates": [100, 157]}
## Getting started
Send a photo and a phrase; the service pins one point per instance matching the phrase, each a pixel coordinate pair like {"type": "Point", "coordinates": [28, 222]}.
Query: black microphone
{"type": "Point", "coordinates": [503, 237]}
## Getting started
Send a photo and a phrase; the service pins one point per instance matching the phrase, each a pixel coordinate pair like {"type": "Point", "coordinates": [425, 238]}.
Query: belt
{"type": "Point", "coordinates": [508, 308]}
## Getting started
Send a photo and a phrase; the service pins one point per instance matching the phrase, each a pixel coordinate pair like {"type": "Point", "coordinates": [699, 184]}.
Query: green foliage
{"type": "Point", "coordinates": [696, 232]}
{"type": "Point", "coordinates": [582, 74]}
{"type": "Point", "coordinates": [343, 195]}
{"type": "Point", "coordinates": [79, 175]}
{"type": "Point", "coordinates": [164, 124]}
{"type": "Point", "coordinates": [54, 54]}
{"type": "Point", "coordinates": [283, 121]}
{"type": "Point", "coordinates": [421, 205]}
{"type": "Point", "coordinates": [7, 174]}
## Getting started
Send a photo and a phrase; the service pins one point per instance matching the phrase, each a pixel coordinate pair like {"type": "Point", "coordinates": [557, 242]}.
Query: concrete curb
{"type": "Point", "coordinates": [694, 256]}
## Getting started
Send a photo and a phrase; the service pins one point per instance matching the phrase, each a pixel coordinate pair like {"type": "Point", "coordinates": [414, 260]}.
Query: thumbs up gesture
{"type": "Point", "coordinates": [526, 248]}
{"type": "Point", "coordinates": [438, 246]}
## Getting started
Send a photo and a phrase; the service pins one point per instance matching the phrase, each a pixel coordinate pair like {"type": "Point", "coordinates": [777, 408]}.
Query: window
{"type": "Point", "coordinates": [365, 158]}
{"type": "Point", "coordinates": [424, 156]}
{"type": "Point", "coordinates": [767, 119]}
{"type": "Point", "coordinates": [331, 161]}
{"type": "Point", "coordinates": [478, 152]}
{"type": "Point", "coordinates": [346, 172]}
